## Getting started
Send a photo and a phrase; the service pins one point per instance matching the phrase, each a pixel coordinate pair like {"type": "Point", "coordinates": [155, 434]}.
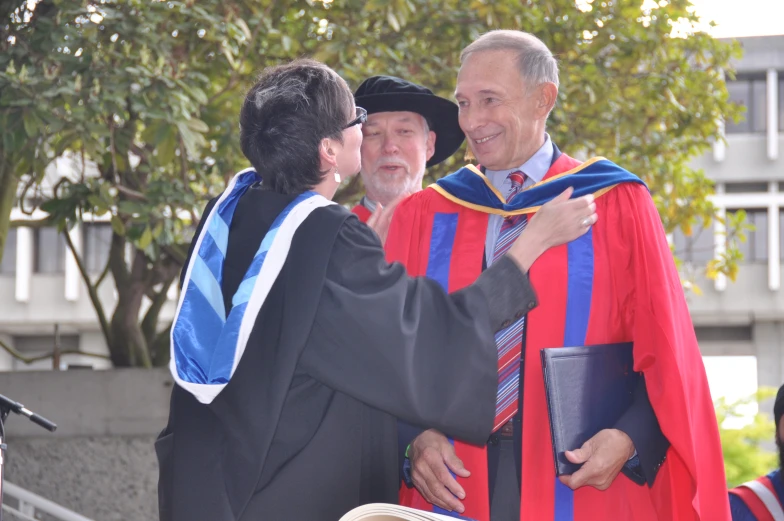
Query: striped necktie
{"type": "Point", "coordinates": [509, 340]}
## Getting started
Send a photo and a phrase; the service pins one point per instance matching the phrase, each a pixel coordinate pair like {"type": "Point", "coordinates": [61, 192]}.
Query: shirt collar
{"type": "Point", "coordinates": [367, 203]}
{"type": "Point", "coordinates": [535, 168]}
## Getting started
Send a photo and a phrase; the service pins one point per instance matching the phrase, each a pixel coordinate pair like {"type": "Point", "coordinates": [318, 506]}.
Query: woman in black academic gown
{"type": "Point", "coordinates": [296, 346]}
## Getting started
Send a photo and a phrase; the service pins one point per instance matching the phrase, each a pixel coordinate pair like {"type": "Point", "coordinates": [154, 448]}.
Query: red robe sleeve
{"type": "Point", "coordinates": [361, 212]}
{"type": "Point", "coordinates": [666, 350]}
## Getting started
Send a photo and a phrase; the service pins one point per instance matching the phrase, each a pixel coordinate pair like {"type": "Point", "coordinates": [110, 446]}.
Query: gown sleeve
{"type": "Point", "coordinates": [666, 351]}
{"type": "Point", "coordinates": [405, 346]}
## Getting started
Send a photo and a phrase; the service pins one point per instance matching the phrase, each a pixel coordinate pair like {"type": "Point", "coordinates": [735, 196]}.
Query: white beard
{"type": "Point", "coordinates": [386, 188]}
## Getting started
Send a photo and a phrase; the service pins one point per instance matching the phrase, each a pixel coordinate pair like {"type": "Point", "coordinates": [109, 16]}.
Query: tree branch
{"type": "Point", "coordinates": [117, 261]}
{"type": "Point", "coordinates": [130, 193]}
{"type": "Point", "coordinates": [164, 271]}
{"type": "Point", "coordinates": [175, 252]}
{"type": "Point", "coordinates": [82, 175]}
{"type": "Point", "coordinates": [113, 151]}
{"type": "Point", "coordinates": [234, 73]}
{"type": "Point", "coordinates": [32, 223]}
{"type": "Point", "coordinates": [92, 290]}
{"type": "Point", "coordinates": [29, 360]}
{"type": "Point", "coordinates": [57, 185]}
{"type": "Point", "coordinates": [23, 196]}
{"type": "Point", "coordinates": [103, 274]}
{"type": "Point", "coordinates": [183, 162]}
{"type": "Point", "coordinates": [150, 321]}
{"type": "Point", "coordinates": [141, 153]}
{"type": "Point", "coordinates": [159, 349]}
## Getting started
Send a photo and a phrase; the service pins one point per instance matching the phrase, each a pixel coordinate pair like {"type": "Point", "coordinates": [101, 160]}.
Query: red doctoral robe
{"type": "Point", "coordinates": [361, 212]}
{"type": "Point", "coordinates": [635, 294]}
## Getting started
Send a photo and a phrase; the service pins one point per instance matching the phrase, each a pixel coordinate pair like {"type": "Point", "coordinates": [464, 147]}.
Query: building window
{"type": "Point", "coordinates": [781, 101]}
{"type": "Point", "coordinates": [37, 345]}
{"type": "Point", "coordinates": [49, 251]}
{"type": "Point", "coordinates": [97, 240]}
{"type": "Point", "coordinates": [755, 249]}
{"type": "Point", "coordinates": [8, 264]}
{"type": "Point", "coordinates": [746, 188]}
{"type": "Point", "coordinates": [696, 248]}
{"type": "Point", "coordinates": [781, 234]}
{"type": "Point", "coordinates": [752, 94]}
{"type": "Point", "coordinates": [41, 344]}
{"type": "Point", "coordinates": [723, 333]}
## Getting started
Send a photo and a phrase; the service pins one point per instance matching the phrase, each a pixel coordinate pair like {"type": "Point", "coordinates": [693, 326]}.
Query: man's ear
{"type": "Point", "coordinates": [328, 154]}
{"type": "Point", "coordinates": [431, 145]}
{"type": "Point", "coordinates": [546, 98]}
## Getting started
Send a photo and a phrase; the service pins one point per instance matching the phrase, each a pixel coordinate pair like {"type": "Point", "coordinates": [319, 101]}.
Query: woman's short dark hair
{"type": "Point", "coordinates": [286, 114]}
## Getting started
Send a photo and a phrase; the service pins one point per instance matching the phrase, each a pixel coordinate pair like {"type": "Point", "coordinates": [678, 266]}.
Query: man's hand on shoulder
{"type": "Point", "coordinates": [603, 457]}
{"type": "Point", "coordinates": [381, 217]}
{"type": "Point", "coordinates": [432, 457]}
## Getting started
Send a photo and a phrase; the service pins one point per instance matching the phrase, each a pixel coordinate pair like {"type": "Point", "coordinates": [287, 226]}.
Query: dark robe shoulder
{"type": "Point", "coordinates": [216, 452]}
{"type": "Point", "coordinates": [344, 343]}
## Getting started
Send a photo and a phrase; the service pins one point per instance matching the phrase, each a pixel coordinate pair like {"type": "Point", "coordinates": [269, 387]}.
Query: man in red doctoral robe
{"type": "Point", "coordinates": [408, 129]}
{"type": "Point", "coordinates": [616, 284]}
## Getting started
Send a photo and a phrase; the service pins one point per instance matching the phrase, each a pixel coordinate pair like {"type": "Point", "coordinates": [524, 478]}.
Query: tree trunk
{"type": "Point", "coordinates": [129, 347]}
{"type": "Point", "coordinates": [160, 350]}
{"type": "Point", "coordinates": [8, 185]}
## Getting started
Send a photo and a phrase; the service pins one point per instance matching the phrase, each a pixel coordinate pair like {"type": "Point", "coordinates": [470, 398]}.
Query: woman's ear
{"type": "Point", "coordinates": [328, 152]}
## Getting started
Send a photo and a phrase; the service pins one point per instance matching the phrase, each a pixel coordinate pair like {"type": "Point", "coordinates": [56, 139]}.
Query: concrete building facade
{"type": "Point", "coordinates": [746, 317]}
{"type": "Point", "coordinates": [42, 292]}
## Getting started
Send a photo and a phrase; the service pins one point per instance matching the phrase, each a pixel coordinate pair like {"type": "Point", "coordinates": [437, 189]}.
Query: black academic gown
{"type": "Point", "coordinates": [344, 344]}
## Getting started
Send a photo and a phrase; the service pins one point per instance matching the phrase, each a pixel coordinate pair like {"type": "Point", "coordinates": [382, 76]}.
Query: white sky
{"type": "Point", "coordinates": [742, 17]}
{"type": "Point", "coordinates": [733, 377]}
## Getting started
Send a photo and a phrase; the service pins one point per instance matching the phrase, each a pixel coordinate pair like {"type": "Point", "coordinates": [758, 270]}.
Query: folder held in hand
{"type": "Point", "coordinates": [587, 389]}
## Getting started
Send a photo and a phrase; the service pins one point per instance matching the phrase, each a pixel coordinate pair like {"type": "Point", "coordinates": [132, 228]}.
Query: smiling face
{"type": "Point", "coordinates": [395, 149]}
{"type": "Point", "coordinates": [502, 117]}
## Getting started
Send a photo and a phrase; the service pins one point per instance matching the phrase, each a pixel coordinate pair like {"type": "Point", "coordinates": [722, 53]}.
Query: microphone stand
{"type": "Point", "coordinates": [7, 406]}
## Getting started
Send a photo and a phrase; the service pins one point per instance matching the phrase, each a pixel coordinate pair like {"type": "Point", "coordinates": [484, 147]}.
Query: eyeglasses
{"type": "Point", "coordinates": [361, 118]}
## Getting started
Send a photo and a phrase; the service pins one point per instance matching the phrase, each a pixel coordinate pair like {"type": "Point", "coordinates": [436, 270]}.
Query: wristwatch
{"type": "Point", "coordinates": [407, 469]}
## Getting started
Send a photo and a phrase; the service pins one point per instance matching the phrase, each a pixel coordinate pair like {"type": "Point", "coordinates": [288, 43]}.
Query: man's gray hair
{"type": "Point", "coordinates": [536, 63]}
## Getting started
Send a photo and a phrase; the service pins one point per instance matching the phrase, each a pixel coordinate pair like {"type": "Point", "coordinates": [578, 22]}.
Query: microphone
{"type": "Point", "coordinates": [18, 408]}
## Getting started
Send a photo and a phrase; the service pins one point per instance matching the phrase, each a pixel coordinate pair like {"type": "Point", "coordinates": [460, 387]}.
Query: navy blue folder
{"type": "Point", "coordinates": [588, 389]}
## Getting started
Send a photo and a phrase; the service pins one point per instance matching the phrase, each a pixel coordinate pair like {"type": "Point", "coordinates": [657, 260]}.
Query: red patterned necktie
{"type": "Point", "coordinates": [510, 339]}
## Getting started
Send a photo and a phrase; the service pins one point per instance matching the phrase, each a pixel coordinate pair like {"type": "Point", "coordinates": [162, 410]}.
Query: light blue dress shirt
{"type": "Point", "coordinates": [534, 169]}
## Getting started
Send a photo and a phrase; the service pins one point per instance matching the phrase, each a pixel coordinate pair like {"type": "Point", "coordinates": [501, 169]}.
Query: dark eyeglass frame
{"type": "Point", "coordinates": [361, 118]}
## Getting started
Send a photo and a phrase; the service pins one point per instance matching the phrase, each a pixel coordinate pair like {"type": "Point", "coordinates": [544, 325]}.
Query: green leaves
{"type": "Point", "coordinates": [192, 139]}
{"type": "Point", "coordinates": [31, 122]}
{"type": "Point", "coordinates": [118, 226]}
{"type": "Point", "coordinates": [150, 92]}
{"type": "Point", "coordinates": [743, 448]}
{"type": "Point", "coordinates": [145, 239]}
